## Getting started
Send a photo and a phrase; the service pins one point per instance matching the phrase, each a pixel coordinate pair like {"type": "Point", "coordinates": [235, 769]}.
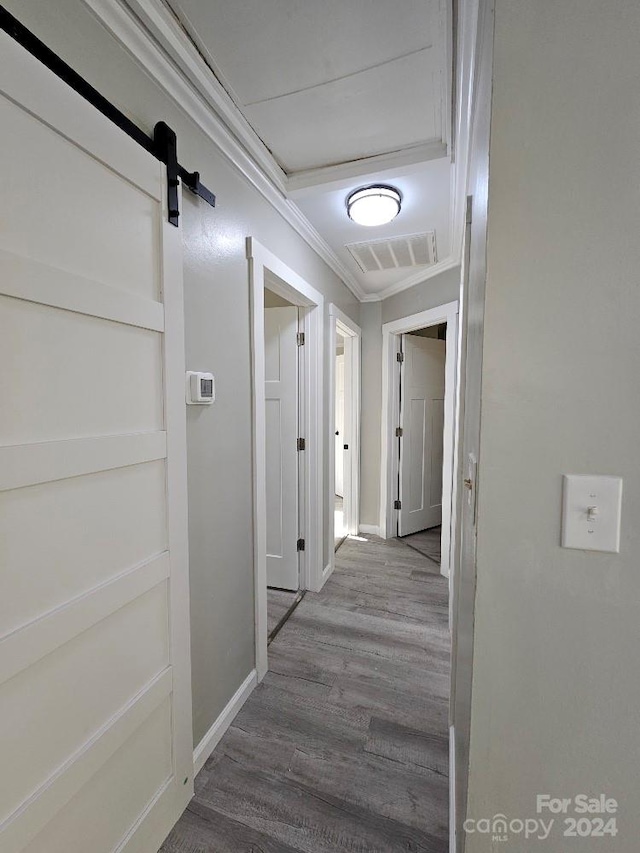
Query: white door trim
{"type": "Point", "coordinates": [340, 322]}
{"type": "Point", "coordinates": [447, 313]}
{"type": "Point", "coordinates": [287, 283]}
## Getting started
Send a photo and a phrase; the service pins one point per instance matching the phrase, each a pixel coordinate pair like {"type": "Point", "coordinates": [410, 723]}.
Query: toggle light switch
{"type": "Point", "coordinates": [592, 513]}
{"type": "Point", "coordinates": [591, 509]}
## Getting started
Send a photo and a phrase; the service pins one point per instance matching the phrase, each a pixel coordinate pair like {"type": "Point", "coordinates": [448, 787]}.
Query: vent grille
{"type": "Point", "coordinates": [414, 250]}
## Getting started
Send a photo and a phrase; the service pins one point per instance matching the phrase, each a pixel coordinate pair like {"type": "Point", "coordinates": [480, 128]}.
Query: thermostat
{"type": "Point", "coordinates": [201, 389]}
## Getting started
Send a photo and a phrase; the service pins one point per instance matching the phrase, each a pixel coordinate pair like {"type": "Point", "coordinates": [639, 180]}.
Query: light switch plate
{"type": "Point", "coordinates": [591, 509]}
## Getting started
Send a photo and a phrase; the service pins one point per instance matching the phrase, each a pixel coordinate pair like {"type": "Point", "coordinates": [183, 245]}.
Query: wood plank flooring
{"type": "Point", "coordinates": [278, 603]}
{"type": "Point", "coordinates": [343, 747]}
{"type": "Point", "coordinates": [427, 542]}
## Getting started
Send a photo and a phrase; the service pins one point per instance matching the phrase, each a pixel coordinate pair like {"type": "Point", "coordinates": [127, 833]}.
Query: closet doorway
{"type": "Point", "coordinates": [344, 441]}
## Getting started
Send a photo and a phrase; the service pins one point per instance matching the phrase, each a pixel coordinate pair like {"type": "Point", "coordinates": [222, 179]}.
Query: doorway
{"type": "Point", "coordinates": [419, 439]}
{"type": "Point", "coordinates": [340, 528]}
{"type": "Point", "coordinates": [419, 370]}
{"type": "Point", "coordinates": [344, 425]}
{"type": "Point", "coordinates": [283, 430]}
{"type": "Point", "coordinates": [287, 382]}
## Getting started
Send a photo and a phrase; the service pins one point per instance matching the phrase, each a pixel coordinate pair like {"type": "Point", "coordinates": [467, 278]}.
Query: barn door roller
{"type": "Point", "coordinates": [163, 146]}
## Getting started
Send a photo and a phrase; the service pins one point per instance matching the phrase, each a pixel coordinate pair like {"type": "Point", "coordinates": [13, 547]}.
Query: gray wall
{"type": "Point", "coordinates": [274, 300]}
{"type": "Point", "coordinates": [556, 689]}
{"type": "Point", "coordinates": [435, 291]}
{"type": "Point", "coordinates": [371, 391]}
{"type": "Point", "coordinates": [429, 294]}
{"type": "Point", "coordinates": [217, 339]}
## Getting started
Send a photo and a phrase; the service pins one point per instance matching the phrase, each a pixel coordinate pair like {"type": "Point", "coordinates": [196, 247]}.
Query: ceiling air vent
{"type": "Point", "coordinates": [414, 250]}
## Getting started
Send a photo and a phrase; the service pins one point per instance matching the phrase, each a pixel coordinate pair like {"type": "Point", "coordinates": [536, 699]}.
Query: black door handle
{"type": "Point", "coordinates": [337, 432]}
{"type": "Point", "coordinates": [346, 447]}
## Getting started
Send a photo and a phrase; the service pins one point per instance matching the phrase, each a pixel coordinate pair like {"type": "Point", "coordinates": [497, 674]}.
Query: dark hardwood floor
{"type": "Point", "coordinates": [343, 747]}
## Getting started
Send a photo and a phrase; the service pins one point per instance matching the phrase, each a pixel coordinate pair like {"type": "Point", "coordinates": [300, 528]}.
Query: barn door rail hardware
{"type": "Point", "coordinates": [163, 144]}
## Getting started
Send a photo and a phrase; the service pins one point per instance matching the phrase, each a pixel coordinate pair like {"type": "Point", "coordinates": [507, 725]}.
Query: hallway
{"type": "Point", "coordinates": [344, 745]}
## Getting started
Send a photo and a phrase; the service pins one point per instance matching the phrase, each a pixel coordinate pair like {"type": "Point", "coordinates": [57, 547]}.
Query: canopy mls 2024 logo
{"type": "Point", "coordinates": [580, 816]}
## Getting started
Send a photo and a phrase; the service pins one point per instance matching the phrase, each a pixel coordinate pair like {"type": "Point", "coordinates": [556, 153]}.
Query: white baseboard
{"type": "Point", "coordinates": [328, 570]}
{"type": "Point", "coordinates": [372, 529]}
{"type": "Point", "coordinates": [213, 737]}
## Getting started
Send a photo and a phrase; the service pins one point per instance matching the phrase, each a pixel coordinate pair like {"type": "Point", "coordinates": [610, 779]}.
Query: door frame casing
{"type": "Point", "coordinates": [286, 283]}
{"type": "Point", "coordinates": [352, 333]}
{"type": "Point", "coordinates": [447, 313]}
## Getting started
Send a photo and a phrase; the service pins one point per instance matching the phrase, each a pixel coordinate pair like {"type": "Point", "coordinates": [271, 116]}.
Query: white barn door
{"type": "Point", "coordinates": [422, 421]}
{"type": "Point", "coordinates": [281, 426]}
{"type": "Point", "coordinates": [95, 703]}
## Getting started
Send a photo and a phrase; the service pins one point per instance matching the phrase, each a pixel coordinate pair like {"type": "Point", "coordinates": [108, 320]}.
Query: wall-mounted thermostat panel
{"type": "Point", "coordinates": [201, 388]}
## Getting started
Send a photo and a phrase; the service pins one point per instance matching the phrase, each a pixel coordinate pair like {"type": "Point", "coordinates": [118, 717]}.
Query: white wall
{"type": "Point", "coordinates": [556, 689]}
{"type": "Point", "coordinates": [217, 333]}
{"type": "Point", "coordinates": [429, 294]}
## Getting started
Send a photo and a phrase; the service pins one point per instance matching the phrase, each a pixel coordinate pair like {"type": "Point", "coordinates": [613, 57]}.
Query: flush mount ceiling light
{"type": "Point", "coordinates": [374, 205]}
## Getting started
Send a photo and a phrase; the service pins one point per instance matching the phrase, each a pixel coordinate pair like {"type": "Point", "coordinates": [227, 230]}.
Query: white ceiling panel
{"type": "Point", "coordinates": [267, 48]}
{"type": "Point", "coordinates": [387, 108]}
{"type": "Point", "coordinates": [328, 84]}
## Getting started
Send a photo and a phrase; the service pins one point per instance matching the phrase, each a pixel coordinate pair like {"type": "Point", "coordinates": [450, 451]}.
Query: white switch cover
{"type": "Point", "coordinates": [591, 508]}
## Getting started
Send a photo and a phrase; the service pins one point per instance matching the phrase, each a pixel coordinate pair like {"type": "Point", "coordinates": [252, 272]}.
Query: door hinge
{"type": "Point", "coordinates": [397, 504]}
{"type": "Point", "coordinates": [300, 545]}
{"type": "Point", "coordinates": [400, 357]}
{"type": "Point", "coordinates": [302, 444]}
{"type": "Point", "coordinates": [300, 339]}
{"type": "Point", "coordinates": [399, 432]}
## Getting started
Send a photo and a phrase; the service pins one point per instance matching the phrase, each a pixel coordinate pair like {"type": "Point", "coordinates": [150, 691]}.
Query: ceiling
{"type": "Point", "coordinates": [425, 207]}
{"type": "Point", "coordinates": [340, 93]}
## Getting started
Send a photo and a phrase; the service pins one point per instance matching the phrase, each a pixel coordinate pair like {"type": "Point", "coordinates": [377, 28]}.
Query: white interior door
{"type": "Point", "coordinates": [281, 424]}
{"type": "Point", "coordinates": [95, 702]}
{"type": "Point", "coordinates": [340, 437]}
{"type": "Point", "coordinates": [422, 380]}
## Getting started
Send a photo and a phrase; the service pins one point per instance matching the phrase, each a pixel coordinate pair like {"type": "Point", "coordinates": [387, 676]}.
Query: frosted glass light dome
{"type": "Point", "coordinates": [375, 205]}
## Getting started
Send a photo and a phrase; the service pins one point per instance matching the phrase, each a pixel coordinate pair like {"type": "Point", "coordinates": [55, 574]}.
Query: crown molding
{"type": "Point", "coordinates": [161, 23]}
{"type": "Point", "coordinates": [150, 33]}
{"type": "Point", "coordinates": [196, 63]}
{"type": "Point", "coordinates": [342, 175]}
{"type": "Point", "coordinates": [130, 32]}
{"type": "Point", "coordinates": [416, 278]}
